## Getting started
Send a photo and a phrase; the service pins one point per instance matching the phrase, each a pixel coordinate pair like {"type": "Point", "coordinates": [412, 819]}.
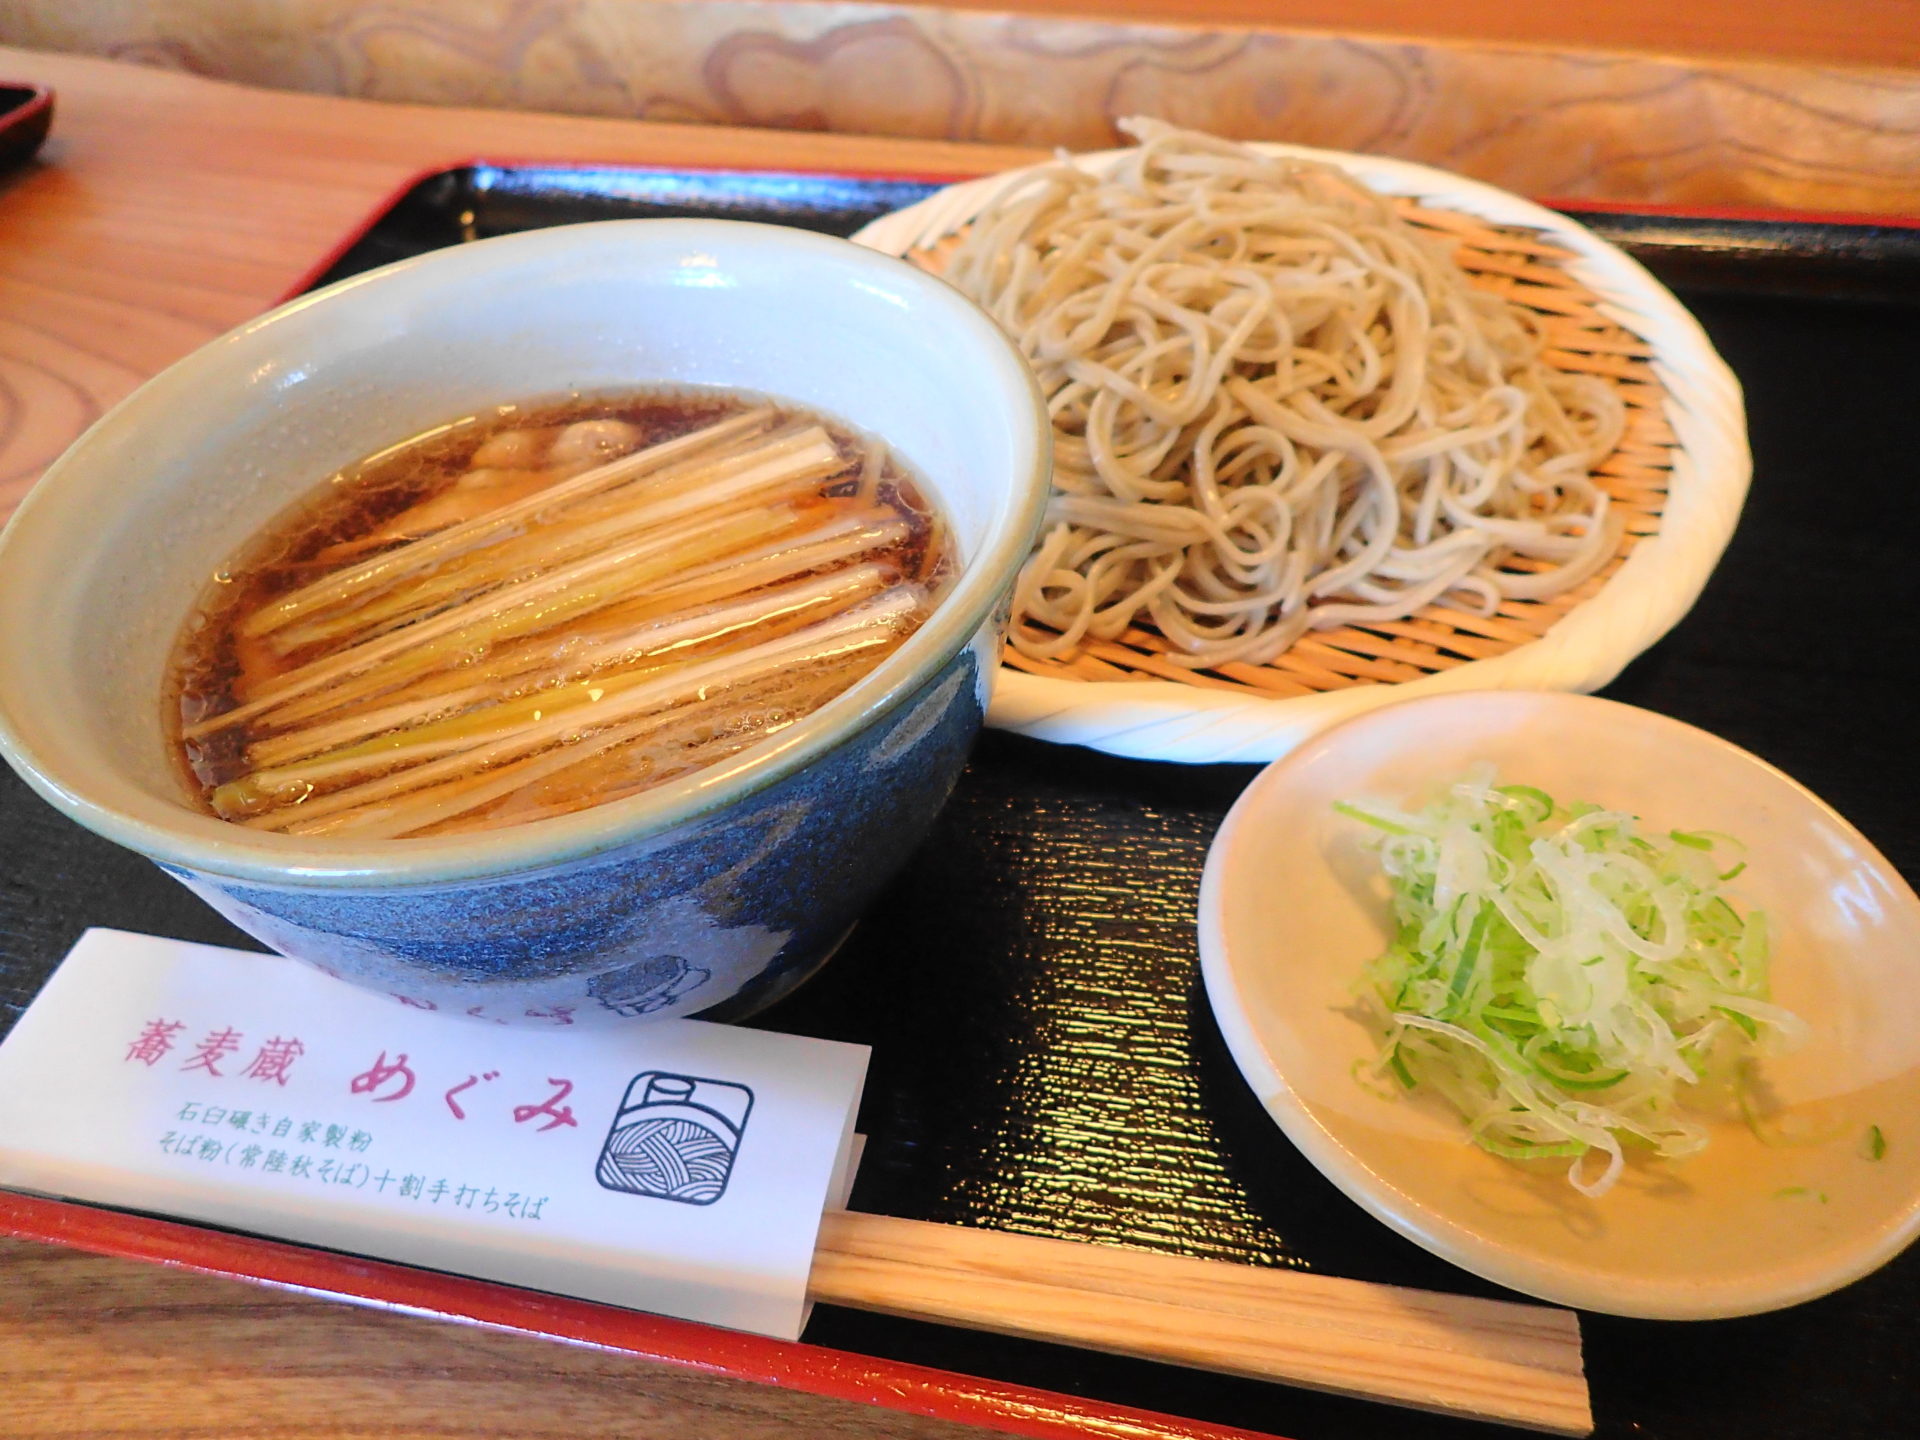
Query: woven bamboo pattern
{"type": "Point", "coordinates": [1528, 270]}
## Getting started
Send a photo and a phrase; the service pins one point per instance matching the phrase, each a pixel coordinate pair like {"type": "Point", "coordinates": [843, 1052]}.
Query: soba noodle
{"type": "Point", "coordinates": [1277, 407]}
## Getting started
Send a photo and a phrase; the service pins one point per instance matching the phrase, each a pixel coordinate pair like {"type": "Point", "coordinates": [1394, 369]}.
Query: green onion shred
{"type": "Point", "coordinates": [1564, 979]}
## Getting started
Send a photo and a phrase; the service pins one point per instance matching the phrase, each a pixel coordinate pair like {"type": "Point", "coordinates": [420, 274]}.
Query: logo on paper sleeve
{"type": "Point", "coordinates": [675, 1138]}
{"type": "Point", "coordinates": [647, 985]}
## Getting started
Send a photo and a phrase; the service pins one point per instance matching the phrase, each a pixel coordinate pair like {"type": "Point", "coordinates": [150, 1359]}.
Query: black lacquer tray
{"type": "Point", "coordinates": [1044, 1060]}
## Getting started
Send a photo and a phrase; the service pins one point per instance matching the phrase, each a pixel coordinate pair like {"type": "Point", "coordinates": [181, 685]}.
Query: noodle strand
{"type": "Point", "coordinates": [1277, 407]}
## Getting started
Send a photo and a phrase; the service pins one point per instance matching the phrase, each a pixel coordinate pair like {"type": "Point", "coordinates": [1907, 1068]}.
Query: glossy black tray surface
{"type": "Point", "coordinates": [1044, 1059]}
{"type": "Point", "coordinates": [26, 114]}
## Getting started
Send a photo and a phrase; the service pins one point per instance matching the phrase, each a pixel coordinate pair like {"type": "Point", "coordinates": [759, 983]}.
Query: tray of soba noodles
{"type": "Point", "coordinates": [1362, 472]}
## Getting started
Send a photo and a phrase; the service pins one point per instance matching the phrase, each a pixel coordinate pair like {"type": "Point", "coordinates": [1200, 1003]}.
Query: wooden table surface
{"type": "Point", "coordinates": [166, 210]}
{"type": "Point", "coordinates": [1854, 32]}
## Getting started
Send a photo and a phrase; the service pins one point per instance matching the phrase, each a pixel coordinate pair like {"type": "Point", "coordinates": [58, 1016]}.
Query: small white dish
{"type": "Point", "coordinates": [1293, 905]}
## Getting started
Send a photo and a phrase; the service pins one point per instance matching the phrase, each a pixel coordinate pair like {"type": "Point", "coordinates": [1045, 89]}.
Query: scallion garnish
{"type": "Point", "coordinates": [1561, 977]}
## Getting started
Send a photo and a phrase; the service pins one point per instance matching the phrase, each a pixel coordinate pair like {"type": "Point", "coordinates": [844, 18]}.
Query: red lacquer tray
{"type": "Point", "coordinates": [1043, 1061]}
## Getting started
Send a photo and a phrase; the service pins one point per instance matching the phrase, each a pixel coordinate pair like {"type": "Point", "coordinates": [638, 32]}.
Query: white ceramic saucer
{"type": "Point", "coordinates": [1292, 906]}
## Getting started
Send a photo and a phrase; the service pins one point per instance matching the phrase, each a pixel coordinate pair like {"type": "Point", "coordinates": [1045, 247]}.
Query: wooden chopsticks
{"type": "Point", "coordinates": [1494, 1360]}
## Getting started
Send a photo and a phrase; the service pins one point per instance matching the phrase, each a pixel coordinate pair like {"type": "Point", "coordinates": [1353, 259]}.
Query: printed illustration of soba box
{"type": "Point", "coordinates": [675, 1138]}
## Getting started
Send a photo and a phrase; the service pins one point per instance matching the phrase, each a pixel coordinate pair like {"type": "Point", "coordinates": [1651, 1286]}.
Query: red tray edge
{"type": "Point", "coordinates": [795, 1365]}
{"type": "Point", "coordinates": [32, 118]}
{"type": "Point", "coordinates": [358, 231]}
{"type": "Point", "coordinates": [1759, 213]}
{"type": "Point", "coordinates": [40, 99]}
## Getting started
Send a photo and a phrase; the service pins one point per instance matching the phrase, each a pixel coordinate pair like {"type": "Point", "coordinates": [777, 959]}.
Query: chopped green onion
{"type": "Point", "coordinates": [1542, 802]}
{"type": "Point", "coordinates": [1367, 817]}
{"type": "Point", "coordinates": [1800, 1192]}
{"type": "Point", "coordinates": [1875, 1145]}
{"type": "Point", "coordinates": [1531, 1152]}
{"type": "Point", "coordinates": [1752, 1030]}
{"type": "Point", "coordinates": [1559, 977]}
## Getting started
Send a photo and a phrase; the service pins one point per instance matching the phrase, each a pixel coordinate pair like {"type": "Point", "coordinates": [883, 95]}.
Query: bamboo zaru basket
{"type": "Point", "coordinates": [1600, 314]}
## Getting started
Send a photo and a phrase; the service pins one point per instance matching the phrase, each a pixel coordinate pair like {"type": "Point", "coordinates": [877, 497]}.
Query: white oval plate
{"type": "Point", "coordinates": [1293, 905]}
{"type": "Point", "coordinates": [1657, 584]}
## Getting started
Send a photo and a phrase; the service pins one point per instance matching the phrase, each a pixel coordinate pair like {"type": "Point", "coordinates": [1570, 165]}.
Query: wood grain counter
{"type": "Point", "coordinates": [98, 1347]}
{"type": "Point", "coordinates": [166, 210]}
{"type": "Point", "coordinates": [1707, 102]}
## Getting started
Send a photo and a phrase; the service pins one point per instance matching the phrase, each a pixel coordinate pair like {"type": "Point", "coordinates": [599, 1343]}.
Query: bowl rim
{"type": "Point", "coordinates": [204, 844]}
{"type": "Point", "coordinates": [1431, 1227]}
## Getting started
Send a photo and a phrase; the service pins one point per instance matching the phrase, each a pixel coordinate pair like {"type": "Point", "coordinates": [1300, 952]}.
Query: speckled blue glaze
{"type": "Point", "coordinates": [717, 917]}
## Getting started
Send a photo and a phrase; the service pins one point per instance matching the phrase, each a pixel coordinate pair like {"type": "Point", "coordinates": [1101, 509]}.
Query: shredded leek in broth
{"type": "Point", "coordinates": [526, 612]}
{"type": "Point", "coordinates": [1563, 978]}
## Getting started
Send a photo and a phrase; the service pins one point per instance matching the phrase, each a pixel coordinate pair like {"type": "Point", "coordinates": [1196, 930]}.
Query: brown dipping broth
{"type": "Point", "coordinates": [414, 489]}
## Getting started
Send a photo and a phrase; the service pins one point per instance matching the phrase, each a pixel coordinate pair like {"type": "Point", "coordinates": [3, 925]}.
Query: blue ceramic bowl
{"type": "Point", "coordinates": [709, 895]}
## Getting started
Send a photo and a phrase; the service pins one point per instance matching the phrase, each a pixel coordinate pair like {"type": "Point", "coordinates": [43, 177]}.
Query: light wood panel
{"type": "Point", "coordinates": [1859, 32]}
{"type": "Point", "coordinates": [1847, 32]}
{"type": "Point", "coordinates": [93, 1347]}
{"type": "Point", "coordinates": [167, 209]}
{"type": "Point", "coordinates": [171, 208]}
{"type": "Point", "coordinates": [1568, 121]}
